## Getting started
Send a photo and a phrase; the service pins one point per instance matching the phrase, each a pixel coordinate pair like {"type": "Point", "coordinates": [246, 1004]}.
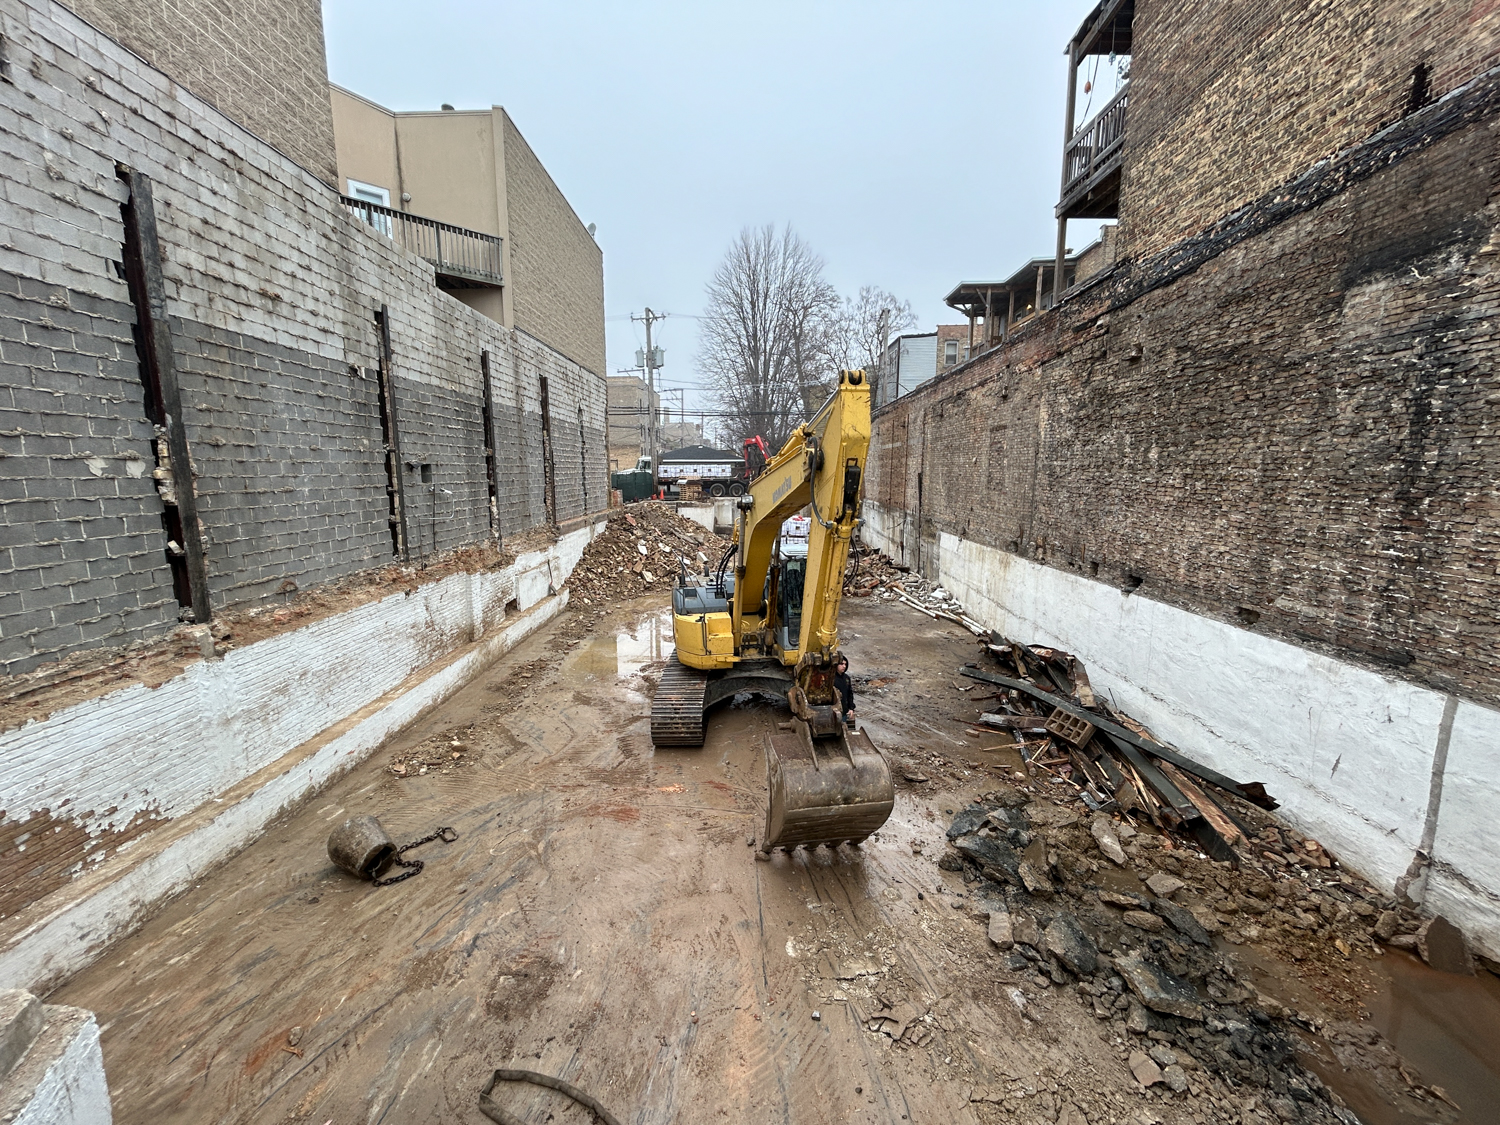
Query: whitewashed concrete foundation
{"type": "Point", "coordinates": [1381, 771]}
{"type": "Point", "coordinates": [220, 750]}
{"type": "Point", "coordinates": [53, 1068]}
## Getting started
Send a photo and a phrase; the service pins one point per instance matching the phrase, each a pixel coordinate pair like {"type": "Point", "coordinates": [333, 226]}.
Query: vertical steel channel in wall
{"type": "Point", "coordinates": [487, 417]}
{"type": "Point", "coordinates": [583, 461]}
{"type": "Point", "coordinates": [390, 434]}
{"type": "Point", "coordinates": [549, 494]}
{"type": "Point", "coordinates": [142, 253]}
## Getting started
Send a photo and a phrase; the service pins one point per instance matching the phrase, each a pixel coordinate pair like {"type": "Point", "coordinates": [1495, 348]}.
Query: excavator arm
{"type": "Point", "coordinates": [821, 466]}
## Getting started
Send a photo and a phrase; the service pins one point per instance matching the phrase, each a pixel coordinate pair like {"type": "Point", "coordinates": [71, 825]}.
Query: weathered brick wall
{"type": "Point", "coordinates": [557, 269]}
{"type": "Point", "coordinates": [260, 62]}
{"type": "Point", "coordinates": [1228, 100]}
{"type": "Point", "coordinates": [1289, 427]}
{"type": "Point", "coordinates": [272, 292]}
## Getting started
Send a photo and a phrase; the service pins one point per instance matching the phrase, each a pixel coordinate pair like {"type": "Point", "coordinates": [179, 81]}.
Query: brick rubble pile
{"type": "Point", "coordinates": [870, 574]}
{"type": "Point", "coordinates": [1049, 884]}
{"type": "Point", "coordinates": [641, 551]}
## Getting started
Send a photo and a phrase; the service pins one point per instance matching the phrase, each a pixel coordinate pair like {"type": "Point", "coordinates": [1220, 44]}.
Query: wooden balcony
{"type": "Point", "coordinates": [1091, 164]}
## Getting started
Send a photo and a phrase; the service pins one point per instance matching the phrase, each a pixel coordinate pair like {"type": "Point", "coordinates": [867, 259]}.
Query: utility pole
{"type": "Point", "coordinates": [883, 327]}
{"type": "Point", "coordinates": [651, 362]}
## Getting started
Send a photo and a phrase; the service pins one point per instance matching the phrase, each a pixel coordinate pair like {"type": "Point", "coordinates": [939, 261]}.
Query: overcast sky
{"type": "Point", "coordinates": [911, 145]}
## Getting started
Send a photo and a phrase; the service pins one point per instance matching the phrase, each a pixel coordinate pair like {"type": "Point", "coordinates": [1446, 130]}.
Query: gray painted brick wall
{"type": "Point", "coordinates": [82, 545]}
{"type": "Point", "coordinates": [272, 292]}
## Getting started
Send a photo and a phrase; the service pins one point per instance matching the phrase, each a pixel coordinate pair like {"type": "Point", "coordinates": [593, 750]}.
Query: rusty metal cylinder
{"type": "Point", "coordinates": [362, 847]}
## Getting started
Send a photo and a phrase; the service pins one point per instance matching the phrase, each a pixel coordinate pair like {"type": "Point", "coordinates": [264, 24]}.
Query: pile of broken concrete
{"type": "Point", "coordinates": [1127, 918]}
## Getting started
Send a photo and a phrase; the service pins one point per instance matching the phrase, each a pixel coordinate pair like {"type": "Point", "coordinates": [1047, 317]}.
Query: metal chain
{"type": "Point", "coordinates": [414, 866]}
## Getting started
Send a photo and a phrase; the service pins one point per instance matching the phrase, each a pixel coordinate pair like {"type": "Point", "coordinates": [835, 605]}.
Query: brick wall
{"type": "Point", "coordinates": [261, 62]}
{"type": "Point", "coordinates": [272, 292]}
{"type": "Point", "coordinates": [1289, 425]}
{"type": "Point", "coordinates": [630, 418]}
{"type": "Point", "coordinates": [81, 536]}
{"type": "Point", "coordinates": [1228, 100]}
{"type": "Point", "coordinates": [557, 269]}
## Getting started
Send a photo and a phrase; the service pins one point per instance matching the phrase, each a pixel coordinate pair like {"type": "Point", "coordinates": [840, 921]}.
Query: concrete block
{"type": "Point", "coordinates": [21, 1021]}
{"type": "Point", "coordinates": [59, 1080]}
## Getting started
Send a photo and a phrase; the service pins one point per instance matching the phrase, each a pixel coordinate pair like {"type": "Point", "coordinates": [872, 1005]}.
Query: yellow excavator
{"type": "Point", "coordinates": [766, 620]}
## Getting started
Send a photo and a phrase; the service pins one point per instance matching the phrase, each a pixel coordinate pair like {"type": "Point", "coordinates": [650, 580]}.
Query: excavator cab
{"type": "Point", "coordinates": [766, 620]}
{"type": "Point", "coordinates": [791, 574]}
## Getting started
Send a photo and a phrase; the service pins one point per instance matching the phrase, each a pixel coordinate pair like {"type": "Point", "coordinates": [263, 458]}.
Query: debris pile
{"type": "Point", "coordinates": [1110, 761]}
{"type": "Point", "coordinates": [870, 574]}
{"type": "Point", "coordinates": [1125, 918]}
{"type": "Point", "coordinates": [640, 551]}
{"type": "Point", "coordinates": [1113, 862]}
{"type": "Point", "coordinates": [442, 753]}
{"type": "Point", "coordinates": [1140, 793]}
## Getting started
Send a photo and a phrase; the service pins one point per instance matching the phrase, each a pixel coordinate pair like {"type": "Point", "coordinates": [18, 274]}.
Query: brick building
{"type": "Point", "coordinates": [631, 410]}
{"type": "Point", "coordinates": [260, 64]}
{"type": "Point", "coordinates": [1246, 470]}
{"type": "Point", "coordinates": [218, 389]}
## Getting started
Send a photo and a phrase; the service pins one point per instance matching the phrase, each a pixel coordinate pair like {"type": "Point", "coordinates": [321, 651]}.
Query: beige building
{"type": "Point", "coordinates": [472, 169]}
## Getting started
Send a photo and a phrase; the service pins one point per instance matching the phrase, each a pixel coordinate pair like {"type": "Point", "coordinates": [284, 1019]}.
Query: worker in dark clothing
{"type": "Point", "coordinates": [845, 689]}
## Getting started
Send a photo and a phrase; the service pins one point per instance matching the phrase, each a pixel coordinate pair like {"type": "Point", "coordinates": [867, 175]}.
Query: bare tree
{"type": "Point", "coordinates": [866, 332]}
{"type": "Point", "coordinates": [770, 335]}
{"type": "Point", "coordinates": [866, 322]}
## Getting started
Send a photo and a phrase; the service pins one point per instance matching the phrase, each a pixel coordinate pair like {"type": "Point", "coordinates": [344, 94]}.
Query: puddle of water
{"type": "Point", "coordinates": [648, 641]}
{"type": "Point", "coordinates": [1449, 1027]}
{"type": "Point", "coordinates": [625, 653]}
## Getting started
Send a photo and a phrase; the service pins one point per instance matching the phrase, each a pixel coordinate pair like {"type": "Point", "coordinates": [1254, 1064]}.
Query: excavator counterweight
{"type": "Point", "coordinates": [766, 620]}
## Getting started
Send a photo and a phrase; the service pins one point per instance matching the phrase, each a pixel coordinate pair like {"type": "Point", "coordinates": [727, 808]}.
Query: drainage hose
{"type": "Point", "coordinates": [495, 1113]}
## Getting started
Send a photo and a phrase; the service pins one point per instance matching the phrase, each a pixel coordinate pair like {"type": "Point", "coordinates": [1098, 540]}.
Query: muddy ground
{"type": "Point", "coordinates": [602, 917]}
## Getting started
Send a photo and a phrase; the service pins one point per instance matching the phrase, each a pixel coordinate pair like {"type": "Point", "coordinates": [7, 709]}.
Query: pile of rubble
{"type": "Point", "coordinates": [1289, 892]}
{"type": "Point", "coordinates": [640, 551]}
{"type": "Point", "coordinates": [1114, 860]}
{"type": "Point", "coordinates": [1125, 917]}
{"type": "Point", "coordinates": [870, 574]}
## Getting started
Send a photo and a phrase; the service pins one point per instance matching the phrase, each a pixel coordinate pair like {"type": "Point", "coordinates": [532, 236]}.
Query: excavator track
{"type": "Point", "coordinates": [677, 710]}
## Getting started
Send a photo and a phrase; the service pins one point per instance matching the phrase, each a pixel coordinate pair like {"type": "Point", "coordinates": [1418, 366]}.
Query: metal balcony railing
{"type": "Point", "coordinates": [456, 251]}
{"type": "Point", "coordinates": [1095, 150]}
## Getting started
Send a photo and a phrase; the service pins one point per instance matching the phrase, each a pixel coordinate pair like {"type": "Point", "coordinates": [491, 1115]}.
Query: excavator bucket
{"type": "Point", "coordinates": [828, 790]}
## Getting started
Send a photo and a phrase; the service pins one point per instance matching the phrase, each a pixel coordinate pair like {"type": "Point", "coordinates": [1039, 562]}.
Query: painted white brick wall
{"type": "Point", "coordinates": [164, 751]}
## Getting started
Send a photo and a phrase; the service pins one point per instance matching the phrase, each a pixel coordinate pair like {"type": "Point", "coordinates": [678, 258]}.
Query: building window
{"type": "Point", "coordinates": [369, 193]}
{"type": "Point", "coordinates": [950, 353]}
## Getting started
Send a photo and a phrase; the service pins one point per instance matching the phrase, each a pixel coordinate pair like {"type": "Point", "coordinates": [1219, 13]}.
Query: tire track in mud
{"type": "Point", "coordinates": [767, 1060]}
{"type": "Point", "coordinates": [825, 873]}
{"type": "Point", "coordinates": [981, 1024]}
